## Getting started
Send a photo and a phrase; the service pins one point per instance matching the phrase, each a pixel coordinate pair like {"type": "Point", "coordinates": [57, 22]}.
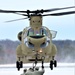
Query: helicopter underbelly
{"type": "Point", "coordinates": [28, 53]}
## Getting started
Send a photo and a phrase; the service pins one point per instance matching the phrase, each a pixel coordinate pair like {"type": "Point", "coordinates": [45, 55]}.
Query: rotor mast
{"type": "Point", "coordinates": [36, 21]}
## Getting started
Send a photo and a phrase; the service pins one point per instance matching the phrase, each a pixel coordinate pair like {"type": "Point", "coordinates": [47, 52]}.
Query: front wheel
{"type": "Point", "coordinates": [21, 64]}
{"type": "Point", "coordinates": [18, 65]}
{"type": "Point", "coordinates": [55, 63]}
{"type": "Point", "coordinates": [51, 65]}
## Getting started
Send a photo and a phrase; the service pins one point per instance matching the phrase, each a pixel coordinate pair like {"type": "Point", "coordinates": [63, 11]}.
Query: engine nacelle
{"type": "Point", "coordinates": [20, 36]}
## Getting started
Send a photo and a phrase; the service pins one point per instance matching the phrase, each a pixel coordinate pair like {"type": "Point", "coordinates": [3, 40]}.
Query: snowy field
{"type": "Point", "coordinates": [62, 69]}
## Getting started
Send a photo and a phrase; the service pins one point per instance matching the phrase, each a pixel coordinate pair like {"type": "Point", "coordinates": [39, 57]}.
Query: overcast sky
{"type": "Point", "coordinates": [64, 25]}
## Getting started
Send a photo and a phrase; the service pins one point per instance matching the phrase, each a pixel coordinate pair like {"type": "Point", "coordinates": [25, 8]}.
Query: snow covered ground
{"type": "Point", "coordinates": [62, 69]}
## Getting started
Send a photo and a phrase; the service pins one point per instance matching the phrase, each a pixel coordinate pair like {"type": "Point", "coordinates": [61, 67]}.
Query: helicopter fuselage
{"type": "Point", "coordinates": [36, 39]}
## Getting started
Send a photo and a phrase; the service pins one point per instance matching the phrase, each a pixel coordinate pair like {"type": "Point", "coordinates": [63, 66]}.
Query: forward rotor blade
{"type": "Point", "coordinates": [60, 14]}
{"type": "Point", "coordinates": [17, 19]}
{"type": "Point", "coordinates": [50, 10]}
{"type": "Point", "coordinates": [35, 11]}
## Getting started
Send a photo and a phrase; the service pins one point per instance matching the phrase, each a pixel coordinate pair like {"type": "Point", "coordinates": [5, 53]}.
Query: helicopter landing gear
{"type": "Point", "coordinates": [19, 64]}
{"type": "Point", "coordinates": [53, 63]}
{"type": "Point", "coordinates": [42, 62]}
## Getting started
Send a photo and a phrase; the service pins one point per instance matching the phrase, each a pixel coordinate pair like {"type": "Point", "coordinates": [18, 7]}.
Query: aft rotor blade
{"type": "Point", "coordinates": [60, 14]}
{"type": "Point", "coordinates": [54, 9]}
{"type": "Point", "coordinates": [21, 14]}
{"type": "Point", "coordinates": [17, 19]}
{"type": "Point", "coordinates": [12, 11]}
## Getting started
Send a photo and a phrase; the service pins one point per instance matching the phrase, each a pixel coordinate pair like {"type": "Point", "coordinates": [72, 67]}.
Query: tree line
{"type": "Point", "coordinates": [65, 51]}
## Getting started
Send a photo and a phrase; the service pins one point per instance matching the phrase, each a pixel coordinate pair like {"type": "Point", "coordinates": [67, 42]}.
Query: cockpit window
{"type": "Point", "coordinates": [30, 32]}
{"type": "Point", "coordinates": [44, 31]}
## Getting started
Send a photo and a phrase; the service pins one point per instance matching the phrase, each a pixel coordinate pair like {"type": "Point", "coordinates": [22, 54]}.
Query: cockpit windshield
{"type": "Point", "coordinates": [39, 32]}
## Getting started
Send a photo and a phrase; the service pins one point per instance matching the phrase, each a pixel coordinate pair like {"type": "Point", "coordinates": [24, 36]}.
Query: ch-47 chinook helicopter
{"type": "Point", "coordinates": [36, 40]}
